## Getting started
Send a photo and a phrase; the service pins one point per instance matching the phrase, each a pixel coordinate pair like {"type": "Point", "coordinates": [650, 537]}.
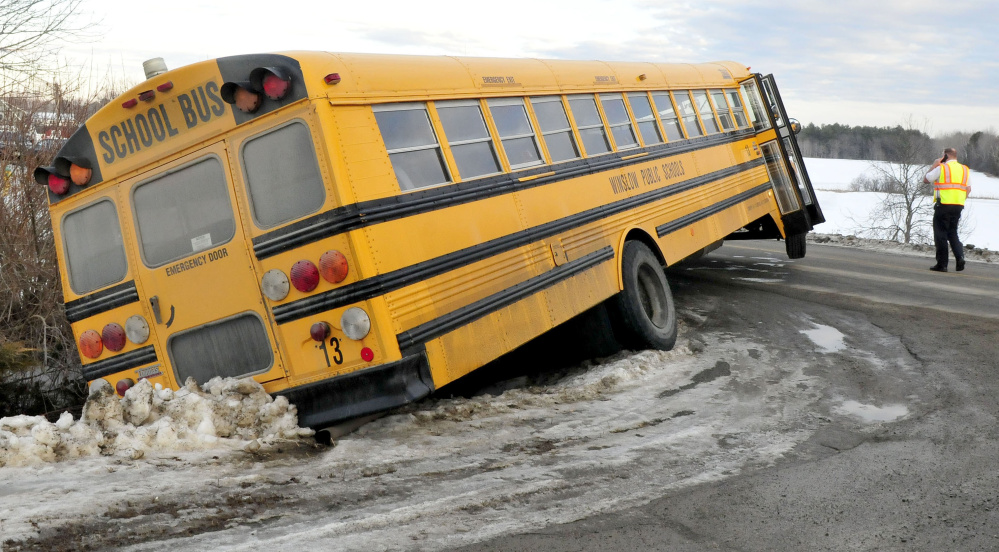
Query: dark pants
{"type": "Point", "coordinates": [945, 220]}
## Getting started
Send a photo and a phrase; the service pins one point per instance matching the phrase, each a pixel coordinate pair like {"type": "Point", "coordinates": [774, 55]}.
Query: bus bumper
{"type": "Point", "coordinates": [328, 402]}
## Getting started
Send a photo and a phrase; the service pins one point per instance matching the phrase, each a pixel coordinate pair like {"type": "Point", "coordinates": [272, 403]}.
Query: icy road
{"type": "Point", "coordinates": [802, 409]}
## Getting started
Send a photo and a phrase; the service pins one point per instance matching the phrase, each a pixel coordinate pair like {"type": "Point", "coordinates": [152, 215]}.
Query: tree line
{"type": "Point", "coordinates": [978, 150]}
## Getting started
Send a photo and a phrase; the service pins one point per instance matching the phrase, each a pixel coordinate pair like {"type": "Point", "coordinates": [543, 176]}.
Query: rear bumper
{"type": "Point", "coordinates": [328, 402]}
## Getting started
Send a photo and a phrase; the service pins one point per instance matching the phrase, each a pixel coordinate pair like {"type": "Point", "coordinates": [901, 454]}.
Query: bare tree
{"type": "Point", "coordinates": [905, 210]}
{"type": "Point", "coordinates": [29, 30]}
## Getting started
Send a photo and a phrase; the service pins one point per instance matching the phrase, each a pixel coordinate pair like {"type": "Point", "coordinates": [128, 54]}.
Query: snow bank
{"type": "Point", "coordinates": [225, 413]}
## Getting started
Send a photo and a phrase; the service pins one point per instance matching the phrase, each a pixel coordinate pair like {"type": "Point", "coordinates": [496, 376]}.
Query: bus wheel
{"type": "Point", "coordinates": [644, 312]}
{"type": "Point", "coordinates": [795, 246]}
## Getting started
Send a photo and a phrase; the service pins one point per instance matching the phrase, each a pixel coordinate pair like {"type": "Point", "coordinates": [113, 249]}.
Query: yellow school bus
{"type": "Point", "coordinates": [355, 231]}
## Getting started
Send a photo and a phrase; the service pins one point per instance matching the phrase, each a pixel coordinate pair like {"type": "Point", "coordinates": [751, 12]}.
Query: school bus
{"type": "Point", "coordinates": [355, 231]}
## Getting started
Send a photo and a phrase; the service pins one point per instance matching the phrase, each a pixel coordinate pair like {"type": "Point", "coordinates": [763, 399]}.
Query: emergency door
{"type": "Point", "coordinates": [196, 272]}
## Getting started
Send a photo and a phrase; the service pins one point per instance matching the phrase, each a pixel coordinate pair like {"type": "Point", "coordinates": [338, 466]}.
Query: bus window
{"type": "Point", "coordinates": [468, 137]}
{"type": "Point", "coordinates": [235, 347]}
{"type": "Point", "coordinates": [642, 110]}
{"type": "Point", "coordinates": [737, 110]}
{"type": "Point", "coordinates": [787, 201]}
{"type": "Point", "coordinates": [704, 108]}
{"type": "Point", "coordinates": [516, 133]}
{"type": "Point", "coordinates": [95, 253]}
{"type": "Point", "coordinates": [754, 105]}
{"type": "Point", "coordinates": [412, 145]}
{"type": "Point", "coordinates": [619, 121]}
{"type": "Point", "coordinates": [555, 128]}
{"type": "Point", "coordinates": [721, 106]}
{"type": "Point", "coordinates": [282, 175]}
{"type": "Point", "coordinates": [686, 106]}
{"type": "Point", "coordinates": [183, 212]}
{"type": "Point", "coordinates": [590, 125]}
{"type": "Point", "coordinates": [668, 116]}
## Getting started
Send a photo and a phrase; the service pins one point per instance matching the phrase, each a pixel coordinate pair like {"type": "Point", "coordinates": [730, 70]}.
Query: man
{"type": "Point", "coordinates": [950, 190]}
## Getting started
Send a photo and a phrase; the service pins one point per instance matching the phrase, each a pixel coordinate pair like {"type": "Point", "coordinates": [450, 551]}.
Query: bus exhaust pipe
{"type": "Point", "coordinates": [329, 435]}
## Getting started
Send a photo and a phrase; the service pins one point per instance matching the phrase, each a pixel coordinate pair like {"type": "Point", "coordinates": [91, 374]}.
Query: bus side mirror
{"type": "Point", "coordinates": [795, 126]}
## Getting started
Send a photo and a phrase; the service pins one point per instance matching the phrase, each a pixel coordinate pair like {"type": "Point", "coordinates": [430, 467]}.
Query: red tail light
{"type": "Point", "coordinates": [275, 87]}
{"type": "Point", "coordinates": [304, 276]}
{"type": "Point", "coordinates": [332, 78]}
{"type": "Point", "coordinates": [367, 355]}
{"type": "Point", "coordinates": [122, 386]}
{"type": "Point", "coordinates": [90, 344]}
{"type": "Point", "coordinates": [320, 331]}
{"type": "Point", "coordinates": [58, 184]}
{"type": "Point", "coordinates": [113, 337]}
{"type": "Point", "coordinates": [333, 266]}
{"type": "Point", "coordinates": [274, 82]}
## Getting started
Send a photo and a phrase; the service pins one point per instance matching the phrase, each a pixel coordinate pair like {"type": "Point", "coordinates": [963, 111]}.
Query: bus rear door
{"type": "Point", "coordinates": [196, 272]}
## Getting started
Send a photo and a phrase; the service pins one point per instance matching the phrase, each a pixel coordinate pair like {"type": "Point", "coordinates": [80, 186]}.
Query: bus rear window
{"type": "Point", "coordinates": [95, 253]}
{"type": "Point", "coordinates": [282, 174]}
{"type": "Point", "coordinates": [183, 212]}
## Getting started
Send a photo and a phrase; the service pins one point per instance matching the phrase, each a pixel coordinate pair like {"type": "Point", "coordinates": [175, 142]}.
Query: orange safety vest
{"type": "Point", "coordinates": [952, 186]}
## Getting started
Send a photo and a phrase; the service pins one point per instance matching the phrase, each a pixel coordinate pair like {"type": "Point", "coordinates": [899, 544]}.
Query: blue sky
{"type": "Point", "coordinates": [874, 62]}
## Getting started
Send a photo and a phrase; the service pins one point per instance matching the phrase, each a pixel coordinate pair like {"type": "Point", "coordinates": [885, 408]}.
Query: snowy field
{"type": "Point", "coordinates": [847, 212]}
{"type": "Point", "coordinates": [227, 465]}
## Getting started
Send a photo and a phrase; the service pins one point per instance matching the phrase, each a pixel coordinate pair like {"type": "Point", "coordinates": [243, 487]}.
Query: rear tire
{"type": "Point", "coordinates": [644, 313]}
{"type": "Point", "coordinates": [794, 244]}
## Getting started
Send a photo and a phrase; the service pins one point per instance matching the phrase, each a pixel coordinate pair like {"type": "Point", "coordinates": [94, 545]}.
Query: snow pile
{"type": "Point", "coordinates": [225, 413]}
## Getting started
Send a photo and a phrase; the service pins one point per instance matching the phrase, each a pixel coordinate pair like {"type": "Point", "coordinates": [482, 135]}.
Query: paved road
{"type": "Point", "coordinates": [928, 480]}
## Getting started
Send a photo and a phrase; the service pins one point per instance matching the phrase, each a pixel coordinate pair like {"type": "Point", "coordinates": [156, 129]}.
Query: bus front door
{"type": "Point", "coordinates": [786, 130]}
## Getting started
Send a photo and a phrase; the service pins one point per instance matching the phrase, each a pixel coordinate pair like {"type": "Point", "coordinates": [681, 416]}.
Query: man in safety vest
{"type": "Point", "coordinates": [950, 190]}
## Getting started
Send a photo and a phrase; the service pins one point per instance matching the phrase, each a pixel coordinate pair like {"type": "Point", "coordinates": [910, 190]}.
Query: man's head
{"type": "Point", "coordinates": [950, 153]}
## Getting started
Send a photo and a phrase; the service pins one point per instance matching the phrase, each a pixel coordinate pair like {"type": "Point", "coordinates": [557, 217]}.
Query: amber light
{"type": "Point", "coordinates": [333, 266]}
{"type": "Point", "coordinates": [90, 344]}
{"type": "Point", "coordinates": [80, 175]}
{"type": "Point", "coordinates": [247, 101]}
{"type": "Point", "coordinates": [240, 95]}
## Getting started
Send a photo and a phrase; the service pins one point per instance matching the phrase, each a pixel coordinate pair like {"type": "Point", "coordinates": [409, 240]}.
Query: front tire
{"type": "Point", "coordinates": [644, 312]}
{"type": "Point", "coordinates": [794, 244]}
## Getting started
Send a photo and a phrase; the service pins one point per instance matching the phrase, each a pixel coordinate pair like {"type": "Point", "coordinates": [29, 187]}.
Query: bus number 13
{"type": "Point", "coordinates": [337, 353]}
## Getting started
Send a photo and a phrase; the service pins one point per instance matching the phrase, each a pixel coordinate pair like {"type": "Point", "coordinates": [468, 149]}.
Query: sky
{"type": "Point", "coordinates": [881, 63]}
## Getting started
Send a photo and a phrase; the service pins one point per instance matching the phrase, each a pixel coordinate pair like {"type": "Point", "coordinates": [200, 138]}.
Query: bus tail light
{"type": "Point", "coordinates": [333, 266]}
{"type": "Point", "coordinates": [367, 355]}
{"type": "Point", "coordinates": [123, 385]}
{"type": "Point", "coordinates": [137, 329]}
{"type": "Point", "coordinates": [304, 276]}
{"type": "Point", "coordinates": [274, 82]}
{"type": "Point", "coordinates": [320, 331]}
{"type": "Point", "coordinates": [48, 176]}
{"type": "Point", "coordinates": [79, 169]}
{"type": "Point", "coordinates": [58, 184]}
{"type": "Point", "coordinates": [332, 78]}
{"type": "Point", "coordinates": [275, 285]}
{"type": "Point", "coordinates": [113, 337]}
{"type": "Point", "coordinates": [240, 95]}
{"type": "Point", "coordinates": [90, 344]}
{"type": "Point", "coordinates": [355, 323]}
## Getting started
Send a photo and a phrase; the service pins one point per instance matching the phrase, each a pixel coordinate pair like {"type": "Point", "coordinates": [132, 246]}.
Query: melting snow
{"type": "Point", "coordinates": [225, 413]}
